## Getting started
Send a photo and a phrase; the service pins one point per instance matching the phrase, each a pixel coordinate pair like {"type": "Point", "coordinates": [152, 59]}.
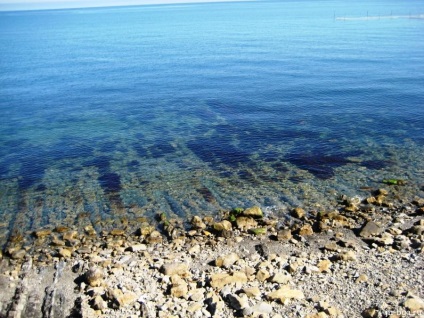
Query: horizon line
{"type": "Point", "coordinates": [149, 3]}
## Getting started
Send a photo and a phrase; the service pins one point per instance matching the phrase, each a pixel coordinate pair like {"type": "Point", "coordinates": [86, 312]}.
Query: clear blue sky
{"type": "Point", "coordinates": [6, 5]}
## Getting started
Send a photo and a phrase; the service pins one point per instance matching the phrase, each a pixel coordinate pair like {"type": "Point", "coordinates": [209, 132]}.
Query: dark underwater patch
{"type": "Point", "coordinates": [69, 148]}
{"type": "Point", "coordinates": [321, 166]}
{"type": "Point", "coordinates": [280, 167]}
{"type": "Point", "coordinates": [31, 172]}
{"type": "Point", "coordinates": [216, 150]}
{"type": "Point", "coordinates": [110, 182]}
{"type": "Point", "coordinates": [102, 163]}
{"type": "Point", "coordinates": [41, 188]}
{"type": "Point", "coordinates": [141, 151]}
{"type": "Point", "coordinates": [160, 150]}
{"type": "Point", "coordinates": [375, 164]}
{"type": "Point", "coordinates": [246, 175]}
{"type": "Point", "coordinates": [206, 194]}
{"type": "Point", "coordinates": [174, 205]}
{"type": "Point", "coordinates": [133, 165]}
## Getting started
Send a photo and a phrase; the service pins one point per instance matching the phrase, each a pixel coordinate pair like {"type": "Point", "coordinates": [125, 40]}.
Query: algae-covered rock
{"type": "Point", "coordinates": [258, 231]}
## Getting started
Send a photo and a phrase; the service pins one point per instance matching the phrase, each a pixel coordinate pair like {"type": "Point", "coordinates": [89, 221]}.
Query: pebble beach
{"type": "Point", "coordinates": [363, 258]}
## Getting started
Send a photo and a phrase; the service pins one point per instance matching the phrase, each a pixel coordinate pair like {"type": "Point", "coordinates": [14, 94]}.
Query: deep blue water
{"type": "Point", "coordinates": [194, 108]}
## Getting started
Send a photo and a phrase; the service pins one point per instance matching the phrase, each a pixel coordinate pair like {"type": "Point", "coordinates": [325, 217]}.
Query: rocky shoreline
{"type": "Point", "coordinates": [364, 258]}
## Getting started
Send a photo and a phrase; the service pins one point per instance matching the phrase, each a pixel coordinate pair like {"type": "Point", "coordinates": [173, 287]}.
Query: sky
{"type": "Point", "coordinates": [6, 5]}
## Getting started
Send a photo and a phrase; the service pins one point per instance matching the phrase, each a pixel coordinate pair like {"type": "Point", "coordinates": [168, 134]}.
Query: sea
{"type": "Point", "coordinates": [113, 115]}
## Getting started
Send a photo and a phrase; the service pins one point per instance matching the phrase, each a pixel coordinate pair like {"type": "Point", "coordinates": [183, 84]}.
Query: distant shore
{"type": "Point", "coordinates": [21, 6]}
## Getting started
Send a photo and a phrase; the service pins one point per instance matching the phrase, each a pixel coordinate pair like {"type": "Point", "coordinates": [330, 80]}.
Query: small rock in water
{"type": "Point", "coordinates": [19, 254]}
{"type": "Point", "coordinates": [117, 232]}
{"type": "Point", "coordinates": [42, 233]}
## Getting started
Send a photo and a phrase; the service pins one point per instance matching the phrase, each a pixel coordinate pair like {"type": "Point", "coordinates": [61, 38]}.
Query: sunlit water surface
{"type": "Point", "coordinates": [118, 113]}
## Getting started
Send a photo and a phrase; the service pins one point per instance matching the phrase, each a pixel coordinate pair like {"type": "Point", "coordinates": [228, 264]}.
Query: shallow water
{"type": "Point", "coordinates": [190, 109]}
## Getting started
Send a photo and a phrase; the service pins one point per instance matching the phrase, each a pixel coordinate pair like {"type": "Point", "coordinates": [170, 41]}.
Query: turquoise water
{"type": "Point", "coordinates": [191, 109]}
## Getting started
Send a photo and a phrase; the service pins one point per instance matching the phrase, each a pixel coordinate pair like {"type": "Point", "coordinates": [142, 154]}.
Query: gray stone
{"type": "Point", "coordinates": [370, 229]}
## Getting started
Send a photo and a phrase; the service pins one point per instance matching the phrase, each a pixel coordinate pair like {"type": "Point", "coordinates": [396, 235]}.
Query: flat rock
{"type": "Point", "coordinates": [219, 280]}
{"type": "Point", "coordinates": [285, 293]}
